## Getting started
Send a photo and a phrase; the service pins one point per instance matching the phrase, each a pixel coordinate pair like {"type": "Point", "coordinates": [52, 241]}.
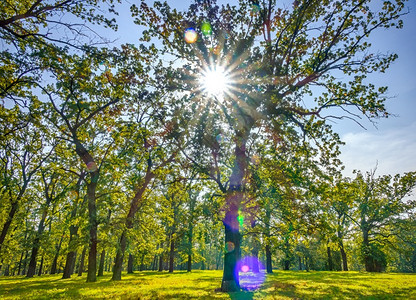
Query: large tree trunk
{"type": "Point", "coordinates": [130, 264]}
{"type": "Point", "coordinates": [234, 197]}
{"type": "Point", "coordinates": [230, 280]}
{"type": "Point", "coordinates": [102, 261]}
{"type": "Point", "coordinates": [368, 260]}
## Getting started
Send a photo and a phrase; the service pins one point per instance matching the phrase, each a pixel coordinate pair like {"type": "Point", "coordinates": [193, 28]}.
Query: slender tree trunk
{"type": "Point", "coordinates": [102, 262]}
{"type": "Point", "coordinates": [92, 212]}
{"type": "Point", "coordinates": [142, 262]}
{"type": "Point", "coordinates": [55, 259]}
{"type": "Point", "coordinates": [81, 262]}
{"type": "Point", "coordinates": [20, 263]}
{"type": "Point", "coordinates": [7, 271]}
{"type": "Point", "coordinates": [154, 262]}
{"type": "Point", "coordinates": [134, 206]}
{"type": "Point", "coordinates": [171, 255]}
{"type": "Point", "coordinates": [118, 262]}
{"type": "Point", "coordinates": [330, 264]}
{"type": "Point", "coordinates": [13, 209]}
{"type": "Point", "coordinates": [343, 256]}
{"type": "Point", "coordinates": [40, 267]}
{"type": "Point", "coordinates": [25, 263]}
{"type": "Point", "coordinates": [189, 263]}
{"type": "Point", "coordinates": [130, 264]}
{"type": "Point", "coordinates": [255, 253]}
{"type": "Point", "coordinates": [300, 263]}
{"type": "Point", "coordinates": [32, 264]}
{"type": "Point", "coordinates": [161, 260]}
{"type": "Point", "coordinates": [73, 264]}
{"type": "Point", "coordinates": [73, 232]}
{"type": "Point", "coordinates": [203, 261]}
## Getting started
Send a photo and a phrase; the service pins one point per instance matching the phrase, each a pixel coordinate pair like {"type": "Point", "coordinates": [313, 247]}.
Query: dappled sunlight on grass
{"type": "Point", "coordinates": [203, 284]}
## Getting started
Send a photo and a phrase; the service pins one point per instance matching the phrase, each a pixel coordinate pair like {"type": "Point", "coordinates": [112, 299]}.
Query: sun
{"type": "Point", "coordinates": [215, 81]}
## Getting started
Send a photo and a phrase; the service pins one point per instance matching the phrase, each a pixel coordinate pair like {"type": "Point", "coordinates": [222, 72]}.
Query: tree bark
{"type": "Point", "coordinates": [81, 262]}
{"type": "Point", "coordinates": [55, 259]}
{"type": "Point", "coordinates": [142, 263]}
{"type": "Point", "coordinates": [102, 261]}
{"type": "Point", "coordinates": [130, 264]}
{"type": "Point", "coordinates": [368, 260]}
{"type": "Point", "coordinates": [20, 263]}
{"type": "Point", "coordinates": [73, 232]}
{"type": "Point", "coordinates": [330, 264]}
{"type": "Point", "coordinates": [343, 256]}
{"type": "Point", "coordinates": [230, 280]}
{"type": "Point", "coordinates": [171, 255]}
{"type": "Point", "coordinates": [40, 267]}
{"type": "Point", "coordinates": [161, 260]}
{"type": "Point", "coordinates": [36, 243]}
{"type": "Point", "coordinates": [24, 263]}
{"type": "Point", "coordinates": [234, 197]}
{"type": "Point", "coordinates": [118, 262]}
{"type": "Point", "coordinates": [72, 271]}
{"type": "Point", "coordinates": [269, 268]}
{"type": "Point", "coordinates": [6, 225]}
{"type": "Point", "coordinates": [134, 206]}
{"type": "Point", "coordinates": [92, 167]}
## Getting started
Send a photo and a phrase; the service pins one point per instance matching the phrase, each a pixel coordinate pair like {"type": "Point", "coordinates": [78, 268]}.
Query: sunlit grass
{"type": "Point", "coordinates": [203, 284]}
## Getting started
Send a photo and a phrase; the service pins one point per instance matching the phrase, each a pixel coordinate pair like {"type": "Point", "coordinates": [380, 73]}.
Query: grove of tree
{"type": "Point", "coordinates": [115, 157]}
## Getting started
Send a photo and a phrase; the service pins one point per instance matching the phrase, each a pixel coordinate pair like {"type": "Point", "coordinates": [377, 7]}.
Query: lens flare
{"type": "Point", "coordinates": [229, 247]}
{"type": "Point", "coordinates": [215, 81]}
{"type": "Point", "coordinates": [92, 166]}
{"type": "Point", "coordinates": [206, 29]}
{"type": "Point", "coordinates": [190, 36]}
{"type": "Point", "coordinates": [252, 273]}
{"type": "Point", "coordinates": [219, 138]}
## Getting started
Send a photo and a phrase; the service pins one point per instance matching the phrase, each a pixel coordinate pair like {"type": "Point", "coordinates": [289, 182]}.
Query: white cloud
{"type": "Point", "coordinates": [394, 150]}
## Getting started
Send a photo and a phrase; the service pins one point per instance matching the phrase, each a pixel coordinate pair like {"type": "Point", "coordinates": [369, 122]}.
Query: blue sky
{"type": "Point", "coordinates": [392, 145]}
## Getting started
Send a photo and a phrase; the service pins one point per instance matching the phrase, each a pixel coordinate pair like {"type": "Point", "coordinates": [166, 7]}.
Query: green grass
{"type": "Point", "coordinates": [203, 284]}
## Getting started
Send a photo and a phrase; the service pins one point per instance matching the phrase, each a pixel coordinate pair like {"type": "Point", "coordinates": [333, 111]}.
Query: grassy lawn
{"type": "Point", "coordinates": [202, 284]}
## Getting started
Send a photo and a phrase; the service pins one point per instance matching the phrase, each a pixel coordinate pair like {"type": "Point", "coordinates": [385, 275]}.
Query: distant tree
{"type": "Point", "coordinates": [380, 205]}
